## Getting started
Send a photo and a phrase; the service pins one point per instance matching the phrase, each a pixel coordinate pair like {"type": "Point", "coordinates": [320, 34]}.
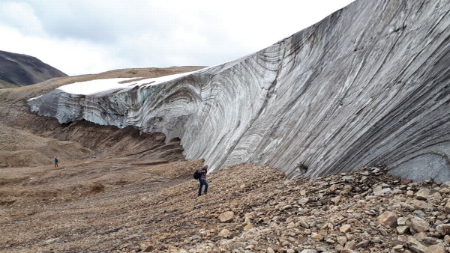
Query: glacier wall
{"type": "Point", "coordinates": [368, 85]}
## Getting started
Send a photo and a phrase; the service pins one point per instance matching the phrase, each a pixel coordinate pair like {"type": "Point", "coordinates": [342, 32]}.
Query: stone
{"type": "Point", "coordinates": [226, 216]}
{"type": "Point", "coordinates": [333, 188]}
{"type": "Point", "coordinates": [313, 223]}
{"type": "Point", "coordinates": [270, 250]}
{"type": "Point", "coordinates": [249, 216]}
{"type": "Point", "coordinates": [224, 233]}
{"type": "Point", "coordinates": [345, 228]}
{"type": "Point", "coordinates": [415, 246]}
{"type": "Point", "coordinates": [444, 190]}
{"type": "Point", "coordinates": [402, 229]}
{"type": "Point", "coordinates": [309, 251]}
{"type": "Point", "coordinates": [417, 224]}
{"type": "Point", "coordinates": [350, 245]}
{"type": "Point", "coordinates": [428, 241]}
{"type": "Point", "coordinates": [406, 181]}
{"type": "Point", "coordinates": [363, 244]}
{"type": "Point", "coordinates": [342, 240]}
{"type": "Point", "coordinates": [377, 188]}
{"type": "Point", "coordinates": [388, 219]}
{"type": "Point", "coordinates": [447, 208]}
{"type": "Point", "coordinates": [419, 213]}
{"type": "Point", "coordinates": [423, 194]}
{"type": "Point", "coordinates": [317, 236]}
{"type": "Point", "coordinates": [248, 227]}
{"type": "Point", "coordinates": [443, 229]}
{"type": "Point", "coordinates": [149, 248]}
{"type": "Point", "coordinates": [286, 207]}
{"type": "Point", "coordinates": [435, 197]}
{"type": "Point", "coordinates": [376, 239]}
{"type": "Point", "coordinates": [303, 223]}
{"type": "Point", "coordinates": [304, 201]}
{"type": "Point", "coordinates": [330, 241]}
{"type": "Point", "coordinates": [397, 248]}
{"type": "Point", "coordinates": [418, 248]}
{"type": "Point", "coordinates": [336, 199]}
{"type": "Point", "coordinates": [49, 241]}
{"type": "Point", "coordinates": [435, 249]}
{"type": "Point", "coordinates": [346, 251]}
{"type": "Point", "coordinates": [383, 191]}
{"type": "Point", "coordinates": [421, 205]}
{"type": "Point", "coordinates": [402, 221]}
{"type": "Point", "coordinates": [447, 239]}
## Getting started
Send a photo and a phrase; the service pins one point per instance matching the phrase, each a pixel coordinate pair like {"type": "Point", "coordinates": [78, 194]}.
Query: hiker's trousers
{"type": "Point", "coordinates": [202, 182]}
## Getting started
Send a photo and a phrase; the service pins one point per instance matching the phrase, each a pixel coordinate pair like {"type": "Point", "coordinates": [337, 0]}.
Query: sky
{"type": "Point", "coordinates": [93, 36]}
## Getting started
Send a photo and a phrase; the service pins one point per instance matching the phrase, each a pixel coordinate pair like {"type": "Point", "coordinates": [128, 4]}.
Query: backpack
{"type": "Point", "coordinates": [197, 174]}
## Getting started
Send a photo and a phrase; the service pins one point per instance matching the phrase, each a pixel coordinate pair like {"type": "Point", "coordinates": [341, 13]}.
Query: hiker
{"type": "Point", "coordinates": [202, 179]}
{"type": "Point", "coordinates": [56, 162]}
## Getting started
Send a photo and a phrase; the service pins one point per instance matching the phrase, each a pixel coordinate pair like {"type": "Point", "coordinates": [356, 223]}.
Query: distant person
{"type": "Point", "coordinates": [56, 162]}
{"type": "Point", "coordinates": [202, 179]}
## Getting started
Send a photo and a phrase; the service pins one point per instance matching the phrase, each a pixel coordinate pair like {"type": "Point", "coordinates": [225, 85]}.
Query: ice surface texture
{"type": "Point", "coordinates": [368, 85]}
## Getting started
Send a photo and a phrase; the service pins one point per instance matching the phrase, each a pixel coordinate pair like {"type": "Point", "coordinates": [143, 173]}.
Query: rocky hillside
{"type": "Point", "coordinates": [368, 85]}
{"type": "Point", "coordinates": [114, 205]}
{"type": "Point", "coordinates": [20, 70]}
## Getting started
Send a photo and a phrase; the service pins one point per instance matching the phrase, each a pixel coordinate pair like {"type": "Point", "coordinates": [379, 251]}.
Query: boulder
{"type": "Point", "coordinates": [423, 194]}
{"type": "Point", "coordinates": [388, 219]}
{"type": "Point", "coordinates": [447, 208]}
{"type": "Point", "coordinates": [443, 229]}
{"type": "Point", "coordinates": [417, 224]}
{"type": "Point", "coordinates": [435, 249]}
{"type": "Point", "coordinates": [345, 228]}
{"type": "Point", "coordinates": [226, 216]}
{"type": "Point", "coordinates": [224, 233]}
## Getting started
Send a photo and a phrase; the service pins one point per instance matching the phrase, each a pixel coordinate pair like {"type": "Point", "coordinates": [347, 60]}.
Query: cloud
{"type": "Point", "coordinates": [70, 56]}
{"type": "Point", "coordinates": [83, 36]}
{"type": "Point", "coordinates": [20, 16]}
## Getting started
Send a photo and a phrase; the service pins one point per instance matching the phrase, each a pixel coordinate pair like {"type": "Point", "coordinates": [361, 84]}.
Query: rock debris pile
{"type": "Point", "coordinates": [248, 208]}
{"type": "Point", "coordinates": [253, 209]}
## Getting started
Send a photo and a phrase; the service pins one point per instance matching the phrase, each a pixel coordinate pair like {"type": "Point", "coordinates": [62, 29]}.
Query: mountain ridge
{"type": "Point", "coordinates": [21, 69]}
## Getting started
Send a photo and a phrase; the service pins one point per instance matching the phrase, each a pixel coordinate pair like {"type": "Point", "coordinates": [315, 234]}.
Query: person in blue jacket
{"type": "Point", "coordinates": [56, 162]}
{"type": "Point", "coordinates": [203, 171]}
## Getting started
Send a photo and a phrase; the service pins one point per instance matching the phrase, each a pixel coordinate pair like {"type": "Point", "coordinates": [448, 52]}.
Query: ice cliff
{"type": "Point", "coordinates": [368, 85]}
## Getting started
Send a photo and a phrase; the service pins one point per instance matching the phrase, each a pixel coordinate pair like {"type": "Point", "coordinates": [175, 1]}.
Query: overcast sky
{"type": "Point", "coordinates": [92, 36]}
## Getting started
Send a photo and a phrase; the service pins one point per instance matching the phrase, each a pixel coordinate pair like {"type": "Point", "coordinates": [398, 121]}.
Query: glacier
{"type": "Point", "coordinates": [368, 85]}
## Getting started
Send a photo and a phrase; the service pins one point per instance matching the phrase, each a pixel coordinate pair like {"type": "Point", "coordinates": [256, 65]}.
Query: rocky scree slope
{"type": "Point", "coordinates": [249, 208]}
{"type": "Point", "coordinates": [362, 211]}
{"type": "Point", "coordinates": [368, 85]}
{"type": "Point", "coordinates": [20, 70]}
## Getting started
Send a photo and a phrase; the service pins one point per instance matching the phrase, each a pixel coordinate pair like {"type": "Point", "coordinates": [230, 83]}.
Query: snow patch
{"type": "Point", "coordinates": [100, 85]}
